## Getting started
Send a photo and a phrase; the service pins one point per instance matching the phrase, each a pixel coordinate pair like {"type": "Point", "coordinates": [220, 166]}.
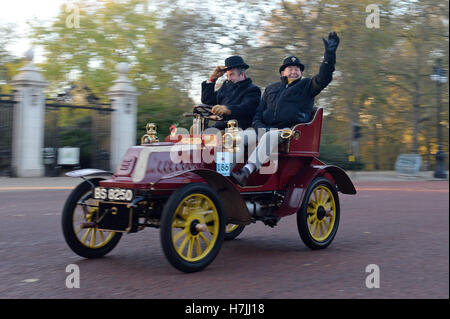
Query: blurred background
{"type": "Point", "coordinates": [389, 95]}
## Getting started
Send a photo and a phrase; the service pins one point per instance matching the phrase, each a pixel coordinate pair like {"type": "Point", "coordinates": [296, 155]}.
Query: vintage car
{"type": "Point", "coordinates": [192, 201]}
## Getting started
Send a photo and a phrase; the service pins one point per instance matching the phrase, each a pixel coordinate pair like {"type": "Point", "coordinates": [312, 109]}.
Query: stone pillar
{"type": "Point", "coordinates": [123, 97]}
{"type": "Point", "coordinates": [29, 117]}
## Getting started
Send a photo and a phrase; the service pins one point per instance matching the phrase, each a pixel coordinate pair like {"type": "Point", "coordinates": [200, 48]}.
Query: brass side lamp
{"type": "Point", "coordinates": [150, 137]}
{"type": "Point", "coordinates": [231, 137]}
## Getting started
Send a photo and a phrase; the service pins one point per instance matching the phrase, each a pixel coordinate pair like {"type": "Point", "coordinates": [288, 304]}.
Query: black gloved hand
{"type": "Point", "coordinates": [332, 43]}
{"type": "Point", "coordinates": [331, 47]}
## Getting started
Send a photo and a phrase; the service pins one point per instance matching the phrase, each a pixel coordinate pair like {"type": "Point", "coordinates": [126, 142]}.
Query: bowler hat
{"type": "Point", "coordinates": [291, 60]}
{"type": "Point", "coordinates": [235, 61]}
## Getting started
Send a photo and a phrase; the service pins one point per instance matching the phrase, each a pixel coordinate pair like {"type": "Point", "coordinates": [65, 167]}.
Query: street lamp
{"type": "Point", "coordinates": [440, 78]}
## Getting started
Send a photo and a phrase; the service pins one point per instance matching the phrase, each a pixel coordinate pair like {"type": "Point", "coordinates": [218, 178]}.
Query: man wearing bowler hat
{"type": "Point", "coordinates": [287, 103]}
{"type": "Point", "coordinates": [237, 98]}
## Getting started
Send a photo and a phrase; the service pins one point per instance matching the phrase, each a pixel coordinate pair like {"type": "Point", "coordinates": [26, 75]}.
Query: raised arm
{"type": "Point", "coordinates": [325, 75]}
{"type": "Point", "coordinates": [209, 95]}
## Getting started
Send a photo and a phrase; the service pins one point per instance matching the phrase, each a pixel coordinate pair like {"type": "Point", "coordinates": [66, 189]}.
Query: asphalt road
{"type": "Point", "coordinates": [402, 227]}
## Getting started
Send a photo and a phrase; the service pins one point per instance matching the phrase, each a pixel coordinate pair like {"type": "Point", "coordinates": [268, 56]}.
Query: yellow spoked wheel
{"type": "Point", "coordinates": [231, 227]}
{"type": "Point", "coordinates": [318, 218]}
{"type": "Point", "coordinates": [233, 230]}
{"type": "Point", "coordinates": [321, 212]}
{"type": "Point", "coordinates": [192, 227]}
{"type": "Point", "coordinates": [90, 237]}
{"type": "Point", "coordinates": [195, 227]}
{"type": "Point", "coordinates": [85, 241]}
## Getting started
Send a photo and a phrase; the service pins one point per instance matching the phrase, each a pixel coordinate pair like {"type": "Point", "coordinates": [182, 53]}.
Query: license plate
{"type": "Point", "coordinates": [223, 165]}
{"type": "Point", "coordinates": [114, 194]}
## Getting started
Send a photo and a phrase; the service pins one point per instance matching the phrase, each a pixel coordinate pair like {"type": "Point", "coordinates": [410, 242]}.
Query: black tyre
{"type": "Point", "coordinates": [232, 231]}
{"type": "Point", "coordinates": [192, 227]}
{"type": "Point", "coordinates": [318, 217]}
{"type": "Point", "coordinates": [86, 242]}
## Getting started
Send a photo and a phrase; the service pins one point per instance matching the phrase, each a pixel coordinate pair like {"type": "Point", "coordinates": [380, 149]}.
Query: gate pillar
{"type": "Point", "coordinates": [123, 97]}
{"type": "Point", "coordinates": [28, 122]}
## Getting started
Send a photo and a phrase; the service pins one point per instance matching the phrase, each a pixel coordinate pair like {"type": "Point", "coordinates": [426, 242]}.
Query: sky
{"type": "Point", "coordinates": [18, 12]}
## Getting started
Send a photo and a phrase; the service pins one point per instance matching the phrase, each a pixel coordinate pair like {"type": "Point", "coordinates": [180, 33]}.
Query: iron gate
{"type": "Point", "coordinates": [6, 126]}
{"type": "Point", "coordinates": [85, 127]}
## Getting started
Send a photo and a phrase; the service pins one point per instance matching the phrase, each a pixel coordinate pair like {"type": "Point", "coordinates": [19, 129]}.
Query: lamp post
{"type": "Point", "coordinates": [440, 78]}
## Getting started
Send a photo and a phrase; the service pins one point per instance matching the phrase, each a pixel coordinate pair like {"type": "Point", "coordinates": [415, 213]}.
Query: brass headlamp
{"type": "Point", "coordinates": [231, 138]}
{"type": "Point", "coordinates": [150, 137]}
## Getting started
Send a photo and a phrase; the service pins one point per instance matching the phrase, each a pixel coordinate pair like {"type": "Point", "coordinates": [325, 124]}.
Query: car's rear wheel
{"type": "Point", "coordinates": [192, 227]}
{"type": "Point", "coordinates": [318, 217]}
{"type": "Point", "coordinates": [88, 242]}
{"type": "Point", "coordinates": [233, 230]}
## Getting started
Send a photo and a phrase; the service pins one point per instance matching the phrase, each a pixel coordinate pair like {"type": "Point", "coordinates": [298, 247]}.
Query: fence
{"type": "Point", "coordinates": [6, 125]}
{"type": "Point", "coordinates": [33, 129]}
{"type": "Point", "coordinates": [87, 128]}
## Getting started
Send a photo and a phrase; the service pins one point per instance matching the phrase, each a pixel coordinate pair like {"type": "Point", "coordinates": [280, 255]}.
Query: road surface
{"type": "Point", "coordinates": [402, 227]}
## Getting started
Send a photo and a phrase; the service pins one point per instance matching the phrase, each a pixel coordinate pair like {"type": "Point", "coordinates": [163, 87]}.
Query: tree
{"type": "Point", "coordinates": [110, 32]}
{"type": "Point", "coordinates": [422, 34]}
{"type": "Point", "coordinates": [9, 65]}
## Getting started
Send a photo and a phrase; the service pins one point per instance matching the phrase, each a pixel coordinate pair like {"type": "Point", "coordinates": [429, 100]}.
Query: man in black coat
{"type": "Point", "coordinates": [287, 103]}
{"type": "Point", "coordinates": [237, 98]}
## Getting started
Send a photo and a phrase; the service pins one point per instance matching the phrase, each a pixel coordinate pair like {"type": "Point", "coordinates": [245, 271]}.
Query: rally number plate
{"type": "Point", "coordinates": [223, 165]}
{"type": "Point", "coordinates": [114, 194]}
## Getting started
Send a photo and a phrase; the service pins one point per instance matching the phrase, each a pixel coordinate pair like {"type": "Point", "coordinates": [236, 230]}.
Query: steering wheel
{"type": "Point", "coordinates": [204, 110]}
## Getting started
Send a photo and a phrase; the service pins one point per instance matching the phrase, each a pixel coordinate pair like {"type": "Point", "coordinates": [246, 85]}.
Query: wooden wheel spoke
{"type": "Point", "coordinates": [321, 229]}
{"type": "Point", "coordinates": [178, 223]}
{"type": "Point", "coordinates": [209, 217]}
{"type": "Point", "coordinates": [183, 244]}
{"type": "Point", "coordinates": [197, 246]}
{"type": "Point", "coordinates": [316, 197]}
{"type": "Point", "coordinates": [180, 234]}
{"type": "Point", "coordinates": [94, 232]}
{"type": "Point", "coordinates": [78, 230]}
{"type": "Point", "coordinates": [102, 237]}
{"type": "Point", "coordinates": [190, 247]}
{"type": "Point", "coordinates": [327, 197]}
{"type": "Point", "coordinates": [327, 225]}
{"type": "Point", "coordinates": [211, 229]}
{"type": "Point", "coordinates": [85, 236]}
{"type": "Point", "coordinates": [316, 232]}
{"type": "Point", "coordinates": [206, 240]}
{"type": "Point", "coordinates": [321, 195]}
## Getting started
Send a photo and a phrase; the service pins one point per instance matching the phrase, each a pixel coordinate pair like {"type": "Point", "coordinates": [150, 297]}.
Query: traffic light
{"type": "Point", "coordinates": [356, 131]}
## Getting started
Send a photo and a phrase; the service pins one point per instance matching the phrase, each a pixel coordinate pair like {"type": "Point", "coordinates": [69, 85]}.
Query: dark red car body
{"type": "Point", "coordinates": [149, 167]}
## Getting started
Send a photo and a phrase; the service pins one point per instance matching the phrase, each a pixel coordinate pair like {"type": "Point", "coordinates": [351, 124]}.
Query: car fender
{"type": "Point", "coordinates": [88, 172]}
{"type": "Point", "coordinates": [235, 208]}
{"type": "Point", "coordinates": [298, 184]}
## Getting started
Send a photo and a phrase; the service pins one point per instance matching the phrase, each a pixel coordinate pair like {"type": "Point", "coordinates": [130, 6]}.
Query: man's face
{"type": "Point", "coordinates": [292, 72]}
{"type": "Point", "coordinates": [234, 76]}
